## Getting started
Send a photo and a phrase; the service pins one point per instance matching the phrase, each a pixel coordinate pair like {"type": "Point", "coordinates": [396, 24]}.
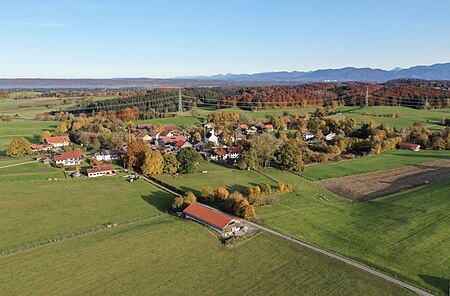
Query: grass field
{"type": "Point", "coordinates": [405, 234]}
{"type": "Point", "coordinates": [38, 210]}
{"type": "Point", "coordinates": [385, 161]}
{"type": "Point", "coordinates": [216, 176]}
{"type": "Point", "coordinates": [30, 129]}
{"type": "Point", "coordinates": [167, 256]}
{"type": "Point", "coordinates": [30, 107]}
{"type": "Point", "coordinates": [407, 116]}
{"type": "Point", "coordinates": [29, 172]}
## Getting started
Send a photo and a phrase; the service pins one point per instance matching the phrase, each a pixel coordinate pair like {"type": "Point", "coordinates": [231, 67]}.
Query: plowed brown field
{"type": "Point", "coordinates": [377, 184]}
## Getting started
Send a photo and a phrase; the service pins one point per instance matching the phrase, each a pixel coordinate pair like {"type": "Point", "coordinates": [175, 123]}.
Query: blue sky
{"type": "Point", "coordinates": [80, 38]}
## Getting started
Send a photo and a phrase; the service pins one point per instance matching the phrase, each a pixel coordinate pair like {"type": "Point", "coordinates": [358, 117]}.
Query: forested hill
{"type": "Point", "coordinates": [402, 92]}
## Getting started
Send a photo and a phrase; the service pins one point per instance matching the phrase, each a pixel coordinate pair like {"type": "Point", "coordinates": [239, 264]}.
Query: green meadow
{"type": "Point", "coordinates": [407, 116]}
{"type": "Point", "coordinates": [35, 211]}
{"type": "Point", "coordinates": [168, 256]}
{"type": "Point", "coordinates": [30, 129]}
{"type": "Point", "coordinates": [380, 162]}
{"type": "Point", "coordinates": [404, 235]}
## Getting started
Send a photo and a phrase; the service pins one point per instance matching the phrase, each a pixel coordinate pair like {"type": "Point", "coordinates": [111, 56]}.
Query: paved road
{"type": "Point", "coordinates": [342, 259]}
{"type": "Point", "coordinates": [326, 253]}
{"type": "Point", "coordinates": [16, 164]}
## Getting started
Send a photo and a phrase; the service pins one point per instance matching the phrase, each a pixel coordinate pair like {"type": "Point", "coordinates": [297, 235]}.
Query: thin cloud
{"type": "Point", "coordinates": [30, 24]}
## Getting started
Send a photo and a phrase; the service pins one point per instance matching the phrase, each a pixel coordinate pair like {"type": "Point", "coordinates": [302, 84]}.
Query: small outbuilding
{"type": "Point", "coordinates": [409, 146]}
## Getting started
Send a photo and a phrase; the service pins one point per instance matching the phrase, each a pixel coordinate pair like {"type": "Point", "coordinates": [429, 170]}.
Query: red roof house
{"type": "Point", "coordinates": [69, 158]}
{"type": "Point", "coordinates": [208, 216]}
{"type": "Point", "coordinates": [59, 141]}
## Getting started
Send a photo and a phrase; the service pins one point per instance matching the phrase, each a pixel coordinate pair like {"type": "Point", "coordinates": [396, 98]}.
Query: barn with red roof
{"type": "Point", "coordinates": [209, 217]}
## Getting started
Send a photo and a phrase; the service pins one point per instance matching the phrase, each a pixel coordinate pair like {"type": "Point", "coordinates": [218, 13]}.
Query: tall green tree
{"type": "Point", "coordinates": [171, 163]}
{"type": "Point", "coordinates": [189, 160]}
{"type": "Point", "coordinates": [289, 158]}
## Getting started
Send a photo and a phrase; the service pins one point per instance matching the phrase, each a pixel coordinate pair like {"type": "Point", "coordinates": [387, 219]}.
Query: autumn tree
{"type": "Point", "coordinates": [207, 193]}
{"type": "Point", "coordinates": [19, 147]}
{"type": "Point", "coordinates": [221, 193]}
{"type": "Point", "coordinates": [153, 163]}
{"type": "Point", "coordinates": [135, 154]}
{"type": "Point", "coordinates": [171, 163]}
{"type": "Point", "coordinates": [181, 202]}
{"type": "Point", "coordinates": [44, 135]}
{"type": "Point", "coordinates": [264, 148]}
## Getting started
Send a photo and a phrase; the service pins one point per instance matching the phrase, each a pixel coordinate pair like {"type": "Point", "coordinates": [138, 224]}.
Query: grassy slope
{"type": "Point", "coordinates": [407, 116]}
{"type": "Point", "coordinates": [406, 233]}
{"type": "Point", "coordinates": [165, 256]}
{"type": "Point", "coordinates": [33, 211]}
{"type": "Point", "coordinates": [384, 161]}
{"type": "Point", "coordinates": [30, 129]}
{"type": "Point", "coordinates": [216, 176]}
{"type": "Point", "coordinates": [32, 106]}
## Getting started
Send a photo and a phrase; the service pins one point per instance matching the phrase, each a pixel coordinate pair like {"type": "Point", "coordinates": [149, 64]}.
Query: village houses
{"type": "Point", "coordinates": [69, 158]}
{"type": "Point", "coordinates": [57, 142]}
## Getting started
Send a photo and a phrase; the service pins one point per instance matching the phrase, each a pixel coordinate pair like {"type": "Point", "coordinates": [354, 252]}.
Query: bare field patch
{"type": "Point", "coordinates": [377, 184]}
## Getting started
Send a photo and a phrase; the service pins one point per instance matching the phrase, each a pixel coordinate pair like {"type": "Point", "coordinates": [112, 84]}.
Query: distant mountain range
{"type": "Point", "coordinates": [433, 72]}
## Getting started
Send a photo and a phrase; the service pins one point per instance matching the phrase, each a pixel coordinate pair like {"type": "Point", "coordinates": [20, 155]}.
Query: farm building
{"type": "Point", "coordinates": [100, 170]}
{"type": "Point", "coordinates": [210, 217]}
{"type": "Point", "coordinates": [59, 141]}
{"type": "Point", "coordinates": [107, 155]}
{"type": "Point", "coordinates": [40, 147]}
{"type": "Point", "coordinates": [69, 158]}
{"type": "Point", "coordinates": [409, 146]}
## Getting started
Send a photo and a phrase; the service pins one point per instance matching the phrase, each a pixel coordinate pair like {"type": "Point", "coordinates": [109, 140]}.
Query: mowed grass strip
{"type": "Point", "coordinates": [28, 171]}
{"type": "Point", "coordinates": [169, 256]}
{"type": "Point", "coordinates": [385, 161]}
{"type": "Point", "coordinates": [405, 234]}
{"type": "Point", "coordinates": [36, 211]}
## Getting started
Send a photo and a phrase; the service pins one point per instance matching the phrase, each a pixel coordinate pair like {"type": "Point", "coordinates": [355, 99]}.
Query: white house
{"type": "Point", "coordinates": [101, 170]}
{"type": "Point", "coordinates": [69, 158]}
{"type": "Point", "coordinates": [107, 155]}
{"type": "Point", "coordinates": [59, 141]}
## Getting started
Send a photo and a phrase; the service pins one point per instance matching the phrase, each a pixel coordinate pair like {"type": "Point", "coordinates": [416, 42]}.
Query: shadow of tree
{"type": "Point", "coordinates": [159, 200]}
{"type": "Point", "coordinates": [440, 283]}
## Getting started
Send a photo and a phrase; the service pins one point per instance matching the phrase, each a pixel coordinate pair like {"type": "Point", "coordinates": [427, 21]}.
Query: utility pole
{"type": "Point", "coordinates": [180, 103]}
{"type": "Point", "coordinates": [367, 96]}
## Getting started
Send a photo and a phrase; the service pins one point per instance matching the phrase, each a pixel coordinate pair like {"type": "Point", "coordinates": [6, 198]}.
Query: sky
{"type": "Point", "coordinates": [168, 38]}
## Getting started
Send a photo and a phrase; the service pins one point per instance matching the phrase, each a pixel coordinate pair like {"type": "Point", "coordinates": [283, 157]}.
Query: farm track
{"type": "Point", "coordinates": [371, 185]}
